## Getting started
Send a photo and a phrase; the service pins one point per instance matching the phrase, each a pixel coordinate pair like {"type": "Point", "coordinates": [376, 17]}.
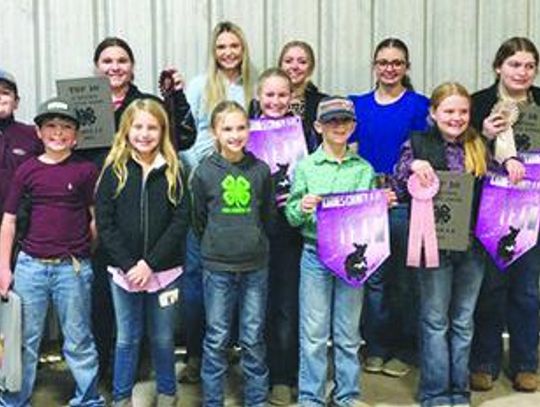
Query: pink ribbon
{"type": "Point", "coordinates": [422, 224]}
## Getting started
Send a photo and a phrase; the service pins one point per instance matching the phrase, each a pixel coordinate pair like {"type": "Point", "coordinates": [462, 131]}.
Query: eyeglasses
{"type": "Point", "coordinates": [395, 63]}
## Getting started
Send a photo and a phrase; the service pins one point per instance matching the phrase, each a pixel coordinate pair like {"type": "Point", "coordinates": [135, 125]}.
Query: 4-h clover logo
{"type": "Point", "coordinates": [86, 116]}
{"type": "Point", "coordinates": [523, 142]}
{"type": "Point", "coordinates": [236, 194]}
{"type": "Point", "coordinates": [442, 213]}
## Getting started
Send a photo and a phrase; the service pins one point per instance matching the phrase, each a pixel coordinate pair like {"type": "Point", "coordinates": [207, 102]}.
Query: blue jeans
{"type": "Point", "coordinates": [133, 311]}
{"type": "Point", "coordinates": [389, 322]}
{"type": "Point", "coordinates": [37, 283]}
{"type": "Point", "coordinates": [192, 297]}
{"type": "Point", "coordinates": [329, 308]}
{"type": "Point", "coordinates": [447, 299]}
{"type": "Point", "coordinates": [223, 292]}
{"type": "Point", "coordinates": [508, 299]}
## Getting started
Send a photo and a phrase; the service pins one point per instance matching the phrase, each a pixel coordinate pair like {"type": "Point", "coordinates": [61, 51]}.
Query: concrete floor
{"type": "Point", "coordinates": [54, 387]}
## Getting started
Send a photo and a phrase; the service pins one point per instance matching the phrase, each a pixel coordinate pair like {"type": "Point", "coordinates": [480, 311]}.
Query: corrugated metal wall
{"type": "Point", "coordinates": [44, 40]}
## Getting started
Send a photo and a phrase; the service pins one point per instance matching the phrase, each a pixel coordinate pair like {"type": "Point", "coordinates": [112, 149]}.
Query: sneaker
{"type": "Point", "coordinates": [396, 368]}
{"type": "Point", "coordinates": [526, 382]}
{"type": "Point", "coordinates": [481, 381]}
{"type": "Point", "coordinates": [281, 395]}
{"type": "Point", "coordinates": [373, 364]}
{"type": "Point", "coordinates": [191, 372]}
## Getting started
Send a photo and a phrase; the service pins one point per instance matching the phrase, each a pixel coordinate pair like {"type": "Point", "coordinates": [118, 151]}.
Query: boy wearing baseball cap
{"type": "Point", "coordinates": [53, 264]}
{"type": "Point", "coordinates": [328, 306]}
{"type": "Point", "coordinates": [18, 141]}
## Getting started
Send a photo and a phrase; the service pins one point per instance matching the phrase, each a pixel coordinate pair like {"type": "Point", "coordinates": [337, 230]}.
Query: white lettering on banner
{"type": "Point", "coordinates": [525, 216]}
{"type": "Point", "coordinates": [349, 200]}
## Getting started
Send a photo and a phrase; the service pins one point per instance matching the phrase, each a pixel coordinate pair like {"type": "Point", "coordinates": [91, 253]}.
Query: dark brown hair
{"type": "Point", "coordinates": [398, 44]}
{"type": "Point", "coordinates": [113, 42]}
{"type": "Point", "coordinates": [512, 46]}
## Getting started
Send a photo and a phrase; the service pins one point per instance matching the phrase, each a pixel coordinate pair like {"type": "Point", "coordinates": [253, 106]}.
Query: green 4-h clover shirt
{"type": "Point", "coordinates": [232, 204]}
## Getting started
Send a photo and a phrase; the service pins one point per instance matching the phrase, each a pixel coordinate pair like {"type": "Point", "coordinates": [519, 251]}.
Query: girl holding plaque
{"type": "Point", "coordinates": [229, 77]}
{"type": "Point", "coordinates": [274, 92]}
{"type": "Point", "coordinates": [387, 115]}
{"type": "Point", "coordinates": [114, 59]}
{"type": "Point", "coordinates": [511, 298]}
{"type": "Point", "coordinates": [448, 292]}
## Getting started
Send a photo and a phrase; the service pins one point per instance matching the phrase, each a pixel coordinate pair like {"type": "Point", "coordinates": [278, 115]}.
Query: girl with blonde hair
{"type": "Point", "coordinates": [448, 292]}
{"type": "Point", "coordinates": [228, 77]}
{"type": "Point", "coordinates": [142, 217]}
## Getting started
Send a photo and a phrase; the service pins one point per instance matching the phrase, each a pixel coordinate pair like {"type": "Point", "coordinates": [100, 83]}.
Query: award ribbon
{"type": "Point", "coordinates": [422, 224]}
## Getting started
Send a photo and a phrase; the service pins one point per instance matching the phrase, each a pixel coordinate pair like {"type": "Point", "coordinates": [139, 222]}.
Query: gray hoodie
{"type": "Point", "coordinates": [232, 206]}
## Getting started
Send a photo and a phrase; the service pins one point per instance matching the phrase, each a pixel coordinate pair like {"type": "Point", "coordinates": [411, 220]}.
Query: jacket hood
{"type": "Point", "coordinates": [217, 160]}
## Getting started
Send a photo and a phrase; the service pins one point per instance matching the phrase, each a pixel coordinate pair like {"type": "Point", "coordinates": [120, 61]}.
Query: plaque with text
{"type": "Point", "coordinates": [452, 208]}
{"type": "Point", "coordinates": [527, 129]}
{"type": "Point", "coordinates": [91, 98]}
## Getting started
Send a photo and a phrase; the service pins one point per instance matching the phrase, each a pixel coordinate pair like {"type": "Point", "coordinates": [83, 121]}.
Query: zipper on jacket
{"type": "Point", "coordinates": [142, 217]}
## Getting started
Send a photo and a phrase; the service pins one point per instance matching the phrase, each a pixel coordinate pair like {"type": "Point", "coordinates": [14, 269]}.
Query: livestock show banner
{"type": "Point", "coordinates": [353, 237]}
{"type": "Point", "coordinates": [531, 160]}
{"type": "Point", "coordinates": [91, 98]}
{"type": "Point", "coordinates": [281, 144]}
{"type": "Point", "coordinates": [508, 218]}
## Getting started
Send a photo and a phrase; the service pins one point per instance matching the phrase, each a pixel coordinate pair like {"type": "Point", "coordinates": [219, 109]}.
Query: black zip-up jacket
{"type": "Point", "coordinates": [232, 205]}
{"type": "Point", "coordinates": [141, 222]}
{"type": "Point", "coordinates": [183, 131]}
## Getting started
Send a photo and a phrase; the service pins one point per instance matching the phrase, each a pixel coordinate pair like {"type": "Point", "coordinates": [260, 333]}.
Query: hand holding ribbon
{"type": "Point", "coordinates": [422, 222]}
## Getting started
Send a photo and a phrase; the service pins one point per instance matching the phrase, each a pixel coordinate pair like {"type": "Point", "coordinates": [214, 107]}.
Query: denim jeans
{"type": "Point", "coordinates": [103, 326]}
{"type": "Point", "coordinates": [37, 283]}
{"type": "Point", "coordinates": [224, 293]}
{"type": "Point", "coordinates": [133, 311]}
{"type": "Point", "coordinates": [448, 296]}
{"type": "Point", "coordinates": [329, 308]}
{"type": "Point", "coordinates": [192, 297]}
{"type": "Point", "coordinates": [389, 321]}
{"type": "Point", "coordinates": [508, 299]}
{"type": "Point", "coordinates": [282, 318]}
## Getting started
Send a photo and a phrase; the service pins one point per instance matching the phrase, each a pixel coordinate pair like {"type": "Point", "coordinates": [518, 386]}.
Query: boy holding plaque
{"type": "Point", "coordinates": [328, 305]}
{"type": "Point", "coordinates": [449, 281]}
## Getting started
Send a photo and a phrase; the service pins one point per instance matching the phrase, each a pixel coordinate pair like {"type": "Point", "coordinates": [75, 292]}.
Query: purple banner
{"type": "Point", "coordinates": [508, 218]}
{"type": "Point", "coordinates": [531, 160]}
{"type": "Point", "coordinates": [353, 237]}
{"type": "Point", "coordinates": [281, 144]}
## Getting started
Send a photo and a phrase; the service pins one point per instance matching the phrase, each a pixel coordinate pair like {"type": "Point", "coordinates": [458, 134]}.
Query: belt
{"type": "Point", "coordinates": [57, 260]}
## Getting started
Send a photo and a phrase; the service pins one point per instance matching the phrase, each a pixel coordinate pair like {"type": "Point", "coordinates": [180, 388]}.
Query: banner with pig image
{"type": "Point", "coordinates": [280, 143]}
{"type": "Point", "coordinates": [508, 218]}
{"type": "Point", "coordinates": [353, 237]}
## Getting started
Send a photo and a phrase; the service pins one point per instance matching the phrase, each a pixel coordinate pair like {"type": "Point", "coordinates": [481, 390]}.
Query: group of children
{"type": "Point", "coordinates": [142, 207]}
